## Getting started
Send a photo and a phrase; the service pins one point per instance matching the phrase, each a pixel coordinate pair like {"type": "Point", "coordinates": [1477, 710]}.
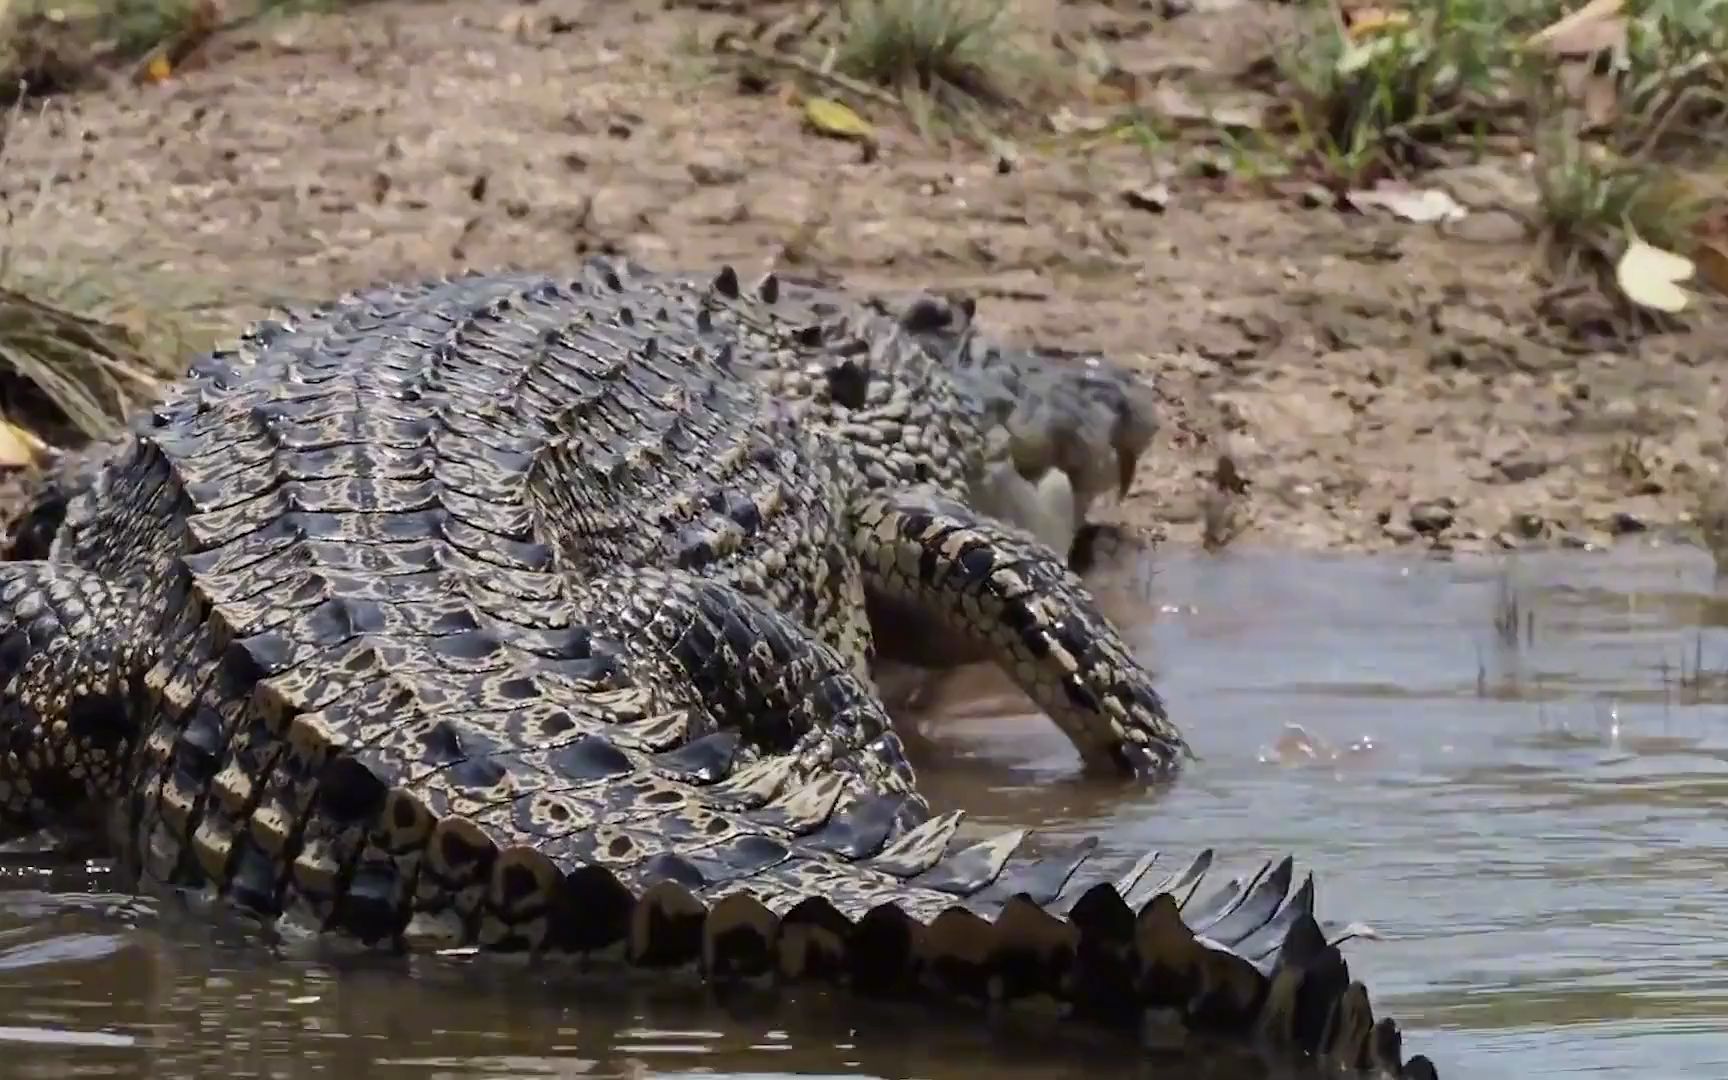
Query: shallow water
{"type": "Point", "coordinates": [1530, 820]}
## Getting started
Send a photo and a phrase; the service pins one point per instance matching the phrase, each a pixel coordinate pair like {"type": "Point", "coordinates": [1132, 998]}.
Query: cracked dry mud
{"type": "Point", "coordinates": [1359, 372]}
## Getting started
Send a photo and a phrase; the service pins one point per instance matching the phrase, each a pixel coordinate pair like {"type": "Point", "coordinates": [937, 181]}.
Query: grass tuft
{"type": "Point", "coordinates": [49, 48]}
{"type": "Point", "coordinates": [1614, 135]}
{"type": "Point", "coordinates": [54, 46]}
{"type": "Point", "coordinates": [76, 358]}
{"type": "Point", "coordinates": [952, 51]}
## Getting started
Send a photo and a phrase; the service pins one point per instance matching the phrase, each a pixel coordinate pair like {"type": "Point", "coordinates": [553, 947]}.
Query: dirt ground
{"type": "Point", "coordinates": [1359, 371]}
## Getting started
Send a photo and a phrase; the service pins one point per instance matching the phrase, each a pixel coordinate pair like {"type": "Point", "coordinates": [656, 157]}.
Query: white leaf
{"type": "Point", "coordinates": [1650, 277]}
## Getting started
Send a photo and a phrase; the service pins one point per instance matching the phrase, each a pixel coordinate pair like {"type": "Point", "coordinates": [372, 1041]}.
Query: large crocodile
{"type": "Point", "coordinates": [498, 612]}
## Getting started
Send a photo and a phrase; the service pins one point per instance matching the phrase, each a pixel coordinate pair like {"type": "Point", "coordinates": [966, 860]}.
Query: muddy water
{"type": "Point", "coordinates": [1530, 818]}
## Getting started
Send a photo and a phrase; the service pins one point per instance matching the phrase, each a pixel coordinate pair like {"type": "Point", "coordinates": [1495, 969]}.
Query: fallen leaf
{"type": "Point", "coordinates": [1421, 205]}
{"type": "Point", "coordinates": [1359, 54]}
{"type": "Point", "coordinates": [1064, 121]}
{"type": "Point", "coordinates": [1650, 277]}
{"type": "Point", "coordinates": [1578, 41]}
{"type": "Point", "coordinates": [1711, 257]}
{"type": "Point", "coordinates": [1365, 21]}
{"type": "Point", "coordinates": [18, 448]}
{"type": "Point", "coordinates": [1594, 27]}
{"type": "Point", "coordinates": [829, 117]}
{"type": "Point", "coordinates": [159, 68]}
{"type": "Point", "coordinates": [1595, 91]}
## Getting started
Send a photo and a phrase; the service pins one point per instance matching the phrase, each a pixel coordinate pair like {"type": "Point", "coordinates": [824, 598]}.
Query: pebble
{"type": "Point", "coordinates": [1430, 517]}
{"type": "Point", "coordinates": [714, 171]}
{"type": "Point", "coordinates": [1518, 470]}
{"type": "Point", "coordinates": [1623, 523]}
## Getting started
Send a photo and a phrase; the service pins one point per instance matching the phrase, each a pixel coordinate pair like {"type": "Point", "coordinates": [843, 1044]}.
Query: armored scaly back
{"type": "Point", "coordinates": [500, 612]}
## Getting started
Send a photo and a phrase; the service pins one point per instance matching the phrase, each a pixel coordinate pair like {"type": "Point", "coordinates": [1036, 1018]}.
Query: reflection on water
{"type": "Point", "coordinates": [1528, 814]}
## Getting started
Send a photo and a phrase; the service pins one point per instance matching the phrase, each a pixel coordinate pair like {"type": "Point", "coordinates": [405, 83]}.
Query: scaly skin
{"type": "Point", "coordinates": [497, 612]}
{"type": "Point", "coordinates": [913, 399]}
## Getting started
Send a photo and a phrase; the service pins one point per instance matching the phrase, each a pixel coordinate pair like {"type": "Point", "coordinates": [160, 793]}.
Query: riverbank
{"type": "Point", "coordinates": [1374, 381]}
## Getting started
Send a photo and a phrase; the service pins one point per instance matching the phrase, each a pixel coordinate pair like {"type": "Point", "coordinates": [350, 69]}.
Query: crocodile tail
{"type": "Point", "coordinates": [1242, 967]}
{"type": "Point", "coordinates": [1247, 965]}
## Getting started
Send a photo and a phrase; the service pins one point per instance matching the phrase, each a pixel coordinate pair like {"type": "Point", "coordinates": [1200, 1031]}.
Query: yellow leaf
{"type": "Point", "coordinates": [1359, 54]}
{"type": "Point", "coordinates": [159, 68]}
{"type": "Point", "coordinates": [836, 120]}
{"type": "Point", "coordinates": [18, 447]}
{"type": "Point", "coordinates": [1371, 20]}
{"type": "Point", "coordinates": [1650, 277]}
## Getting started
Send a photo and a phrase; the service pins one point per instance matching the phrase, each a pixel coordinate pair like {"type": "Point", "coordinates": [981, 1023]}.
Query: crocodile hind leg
{"type": "Point", "coordinates": [765, 680]}
{"type": "Point", "coordinates": [68, 656]}
{"type": "Point", "coordinates": [948, 585]}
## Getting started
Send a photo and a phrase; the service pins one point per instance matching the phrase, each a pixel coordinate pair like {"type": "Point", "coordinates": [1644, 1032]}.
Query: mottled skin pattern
{"type": "Point", "coordinates": [363, 634]}
{"type": "Point", "coordinates": [960, 410]}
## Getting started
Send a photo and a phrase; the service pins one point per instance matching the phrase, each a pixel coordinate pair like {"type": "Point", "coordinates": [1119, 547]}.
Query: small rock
{"type": "Point", "coordinates": [1398, 531]}
{"type": "Point", "coordinates": [1430, 518]}
{"type": "Point", "coordinates": [1153, 197]}
{"type": "Point", "coordinates": [714, 171]}
{"type": "Point", "coordinates": [1518, 470]}
{"type": "Point", "coordinates": [1488, 227]}
{"type": "Point", "coordinates": [1529, 526]}
{"type": "Point", "coordinates": [1623, 523]}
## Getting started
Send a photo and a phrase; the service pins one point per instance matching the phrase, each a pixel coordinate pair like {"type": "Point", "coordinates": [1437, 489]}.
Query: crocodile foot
{"type": "Point", "coordinates": [947, 585]}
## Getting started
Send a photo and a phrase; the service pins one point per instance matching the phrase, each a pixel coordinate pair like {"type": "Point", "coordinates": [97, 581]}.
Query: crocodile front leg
{"type": "Point", "coordinates": [989, 591]}
{"type": "Point", "coordinates": [68, 725]}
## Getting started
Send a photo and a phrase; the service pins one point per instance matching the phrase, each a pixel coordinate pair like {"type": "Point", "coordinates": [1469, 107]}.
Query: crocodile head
{"type": "Point", "coordinates": [1077, 412]}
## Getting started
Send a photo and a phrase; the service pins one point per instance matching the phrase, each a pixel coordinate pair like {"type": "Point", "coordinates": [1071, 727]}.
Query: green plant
{"type": "Point", "coordinates": [81, 345]}
{"type": "Point", "coordinates": [1368, 102]}
{"type": "Point", "coordinates": [945, 49]}
{"type": "Point", "coordinates": [1594, 201]}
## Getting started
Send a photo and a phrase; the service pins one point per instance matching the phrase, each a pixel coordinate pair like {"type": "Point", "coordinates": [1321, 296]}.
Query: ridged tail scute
{"type": "Point", "coordinates": [68, 721]}
{"type": "Point", "coordinates": [1244, 967]}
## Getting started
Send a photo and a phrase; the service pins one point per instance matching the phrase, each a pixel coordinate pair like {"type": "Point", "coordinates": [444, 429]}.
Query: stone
{"type": "Point", "coordinates": [1430, 518]}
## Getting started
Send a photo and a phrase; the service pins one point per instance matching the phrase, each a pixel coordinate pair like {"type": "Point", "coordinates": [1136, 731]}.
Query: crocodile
{"type": "Point", "coordinates": [1032, 437]}
{"type": "Point", "coordinates": [1048, 432]}
{"type": "Point", "coordinates": [1027, 427]}
{"type": "Point", "coordinates": [362, 634]}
